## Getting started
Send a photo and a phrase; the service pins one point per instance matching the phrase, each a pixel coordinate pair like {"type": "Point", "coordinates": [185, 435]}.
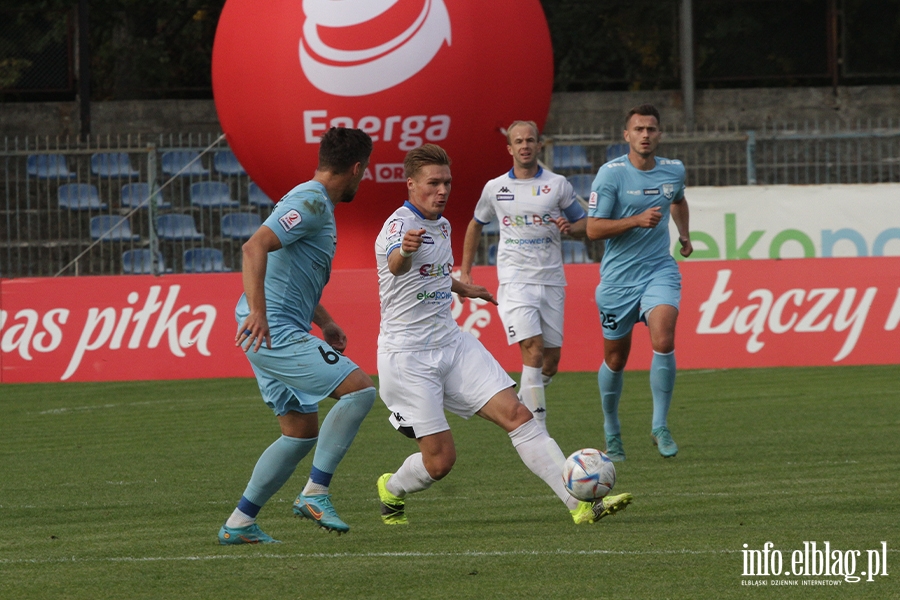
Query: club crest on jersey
{"type": "Point", "coordinates": [668, 190]}
{"type": "Point", "coordinates": [395, 227]}
{"type": "Point", "coordinates": [445, 233]}
{"type": "Point", "coordinates": [290, 219]}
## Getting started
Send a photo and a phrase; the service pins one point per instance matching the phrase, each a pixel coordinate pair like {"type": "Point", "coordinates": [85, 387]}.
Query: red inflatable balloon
{"type": "Point", "coordinates": [408, 72]}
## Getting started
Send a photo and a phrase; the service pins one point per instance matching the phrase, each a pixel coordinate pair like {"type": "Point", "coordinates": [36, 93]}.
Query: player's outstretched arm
{"type": "Point", "coordinates": [468, 290]}
{"type": "Point", "coordinates": [470, 247]}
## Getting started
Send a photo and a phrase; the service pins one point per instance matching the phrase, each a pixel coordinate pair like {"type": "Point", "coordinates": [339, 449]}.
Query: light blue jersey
{"type": "Point", "coordinates": [620, 190]}
{"type": "Point", "coordinates": [297, 273]}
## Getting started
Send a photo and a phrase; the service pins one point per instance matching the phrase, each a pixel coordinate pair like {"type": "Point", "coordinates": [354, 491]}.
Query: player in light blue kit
{"type": "Point", "coordinates": [631, 201]}
{"type": "Point", "coordinates": [287, 263]}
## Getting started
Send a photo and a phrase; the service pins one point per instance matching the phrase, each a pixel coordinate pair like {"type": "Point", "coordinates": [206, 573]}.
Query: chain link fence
{"type": "Point", "coordinates": [182, 203]}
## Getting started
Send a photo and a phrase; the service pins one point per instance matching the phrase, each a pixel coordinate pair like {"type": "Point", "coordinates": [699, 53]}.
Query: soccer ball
{"type": "Point", "coordinates": [589, 474]}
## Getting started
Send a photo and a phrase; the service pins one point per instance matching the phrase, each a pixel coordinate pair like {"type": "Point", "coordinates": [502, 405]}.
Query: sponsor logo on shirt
{"type": "Point", "coordinates": [668, 161]}
{"type": "Point", "coordinates": [290, 219]}
{"type": "Point", "coordinates": [526, 242]}
{"type": "Point", "coordinates": [436, 270]}
{"type": "Point", "coordinates": [505, 197]}
{"type": "Point", "coordinates": [653, 192]}
{"type": "Point", "coordinates": [633, 192]}
{"type": "Point", "coordinates": [526, 220]}
{"type": "Point", "coordinates": [427, 239]}
{"type": "Point", "coordinates": [536, 190]}
{"type": "Point", "coordinates": [430, 297]}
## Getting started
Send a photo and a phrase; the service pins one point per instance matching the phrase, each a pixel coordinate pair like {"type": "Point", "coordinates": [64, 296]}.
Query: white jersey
{"type": "Point", "coordinates": [415, 306]}
{"type": "Point", "coordinates": [530, 250]}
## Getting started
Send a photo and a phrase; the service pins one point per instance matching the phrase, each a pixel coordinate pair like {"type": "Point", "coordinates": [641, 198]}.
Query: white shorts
{"type": "Point", "coordinates": [529, 309]}
{"type": "Point", "coordinates": [418, 386]}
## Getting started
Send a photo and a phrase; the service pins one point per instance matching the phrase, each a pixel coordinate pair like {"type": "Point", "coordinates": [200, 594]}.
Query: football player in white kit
{"type": "Point", "coordinates": [427, 365]}
{"type": "Point", "coordinates": [534, 207]}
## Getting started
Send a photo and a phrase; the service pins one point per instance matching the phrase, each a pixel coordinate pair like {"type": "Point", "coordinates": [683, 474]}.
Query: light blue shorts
{"type": "Point", "coordinates": [298, 374]}
{"type": "Point", "coordinates": [622, 307]}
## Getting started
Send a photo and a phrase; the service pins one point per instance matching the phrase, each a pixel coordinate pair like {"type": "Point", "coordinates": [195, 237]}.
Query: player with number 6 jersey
{"type": "Point", "coordinates": [286, 264]}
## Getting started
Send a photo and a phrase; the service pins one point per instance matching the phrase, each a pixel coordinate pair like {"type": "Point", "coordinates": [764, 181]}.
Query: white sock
{"type": "Point", "coordinates": [532, 394]}
{"type": "Point", "coordinates": [411, 477]}
{"type": "Point", "coordinates": [314, 489]}
{"type": "Point", "coordinates": [239, 519]}
{"type": "Point", "coordinates": [546, 379]}
{"type": "Point", "coordinates": [541, 454]}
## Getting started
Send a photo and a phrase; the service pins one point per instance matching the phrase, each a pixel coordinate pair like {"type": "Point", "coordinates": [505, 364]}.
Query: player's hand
{"type": "Point", "coordinates": [650, 218]}
{"type": "Point", "coordinates": [253, 332]}
{"type": "Point", "coordinates": [478, 291]}
{"type": "Point", "coordinates": [335, 337]}
{"type": "Point", "coordinates": [412, 240]}
{"type": "Point", "coordinates": [686, 247]}
{"type": "Point", "coordinates": [563, 224]}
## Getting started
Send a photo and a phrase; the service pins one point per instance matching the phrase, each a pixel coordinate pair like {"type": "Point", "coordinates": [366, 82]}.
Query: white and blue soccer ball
{"type": "Point", "coordinates": [589, 474]}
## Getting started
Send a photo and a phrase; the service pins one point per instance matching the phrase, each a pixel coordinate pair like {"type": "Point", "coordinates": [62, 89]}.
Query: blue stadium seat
{"type": "Point", "coordinates": [212, 194]}
{"type": "Point", "coordinates": [492, 254]}
{"type": "Point", "coordinates": [177, 227]}
{"type": "Point", "coordinates": [204, 260]}
{"type": "Point", "coordinates": [240, 226]}
{"type": "Point", "coordinates": [48, 166]}
{"type": "Point", "coordinates": [112, 164]}
{"type": "Point", "coordinates": [570, 157]}
{"type": "Point", "coordinates": [582, 184]}
{"type": "Point", "coordinates": [79, 196]}
{"type": "Point", "coordinates": [257, 197]}
{"type": "Point", "coordinates": [573, 251]}
{"type": "Point", "coordinates": [140, 262]}
{"type": "Point", "coordinates": [112, 228]}
{"type": "Point", "coordinates": [615, 151]}
{"type": "Point", "coordinates": [136, 195]}
{"type": "Point", "coordinates": [227, 163]}
{"type": "Point", "coordinates": [174, 161]}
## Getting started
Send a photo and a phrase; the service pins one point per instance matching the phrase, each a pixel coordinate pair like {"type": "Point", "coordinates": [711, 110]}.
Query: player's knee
{"type": "Point", "coordinates": [363, 398]}
{"type": "Point", "coordinates": [439, 466]}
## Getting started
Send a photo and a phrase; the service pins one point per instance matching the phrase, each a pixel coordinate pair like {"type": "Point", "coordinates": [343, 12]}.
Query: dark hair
{"type": "Point", "coordinates": [341, 148]}
{"type": "Point", "coordinates": [645, 110]}
{"type": "Point", "coordinates": [429, 154]}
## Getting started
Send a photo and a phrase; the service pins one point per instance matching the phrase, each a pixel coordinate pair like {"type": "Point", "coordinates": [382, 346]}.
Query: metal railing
{"type": "Point", "coordinates": [42, 237]}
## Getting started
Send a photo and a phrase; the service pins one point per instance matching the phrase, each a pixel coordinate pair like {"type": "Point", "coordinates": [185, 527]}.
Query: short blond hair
{"type": "Point", "coordinates": [427, 154]}
{"type": "Point", "coordinates": [531, 124]}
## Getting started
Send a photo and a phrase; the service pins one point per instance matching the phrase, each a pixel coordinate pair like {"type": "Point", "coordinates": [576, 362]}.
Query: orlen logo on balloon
{"type": "Point", "coordinates": [332, 66]}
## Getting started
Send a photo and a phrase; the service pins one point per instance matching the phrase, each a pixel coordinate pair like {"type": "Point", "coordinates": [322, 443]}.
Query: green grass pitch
{"type": "Point", "coordinates": [117, 490]}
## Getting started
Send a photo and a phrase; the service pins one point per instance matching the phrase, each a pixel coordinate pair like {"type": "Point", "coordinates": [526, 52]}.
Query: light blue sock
{"type": "Point", "coordinates": [662, 382]}
{"type": "Point", "coordinates": [337, 432]}
{"type": "Point", "coordinates": [275, 467]}
{"type": "Point", "coordinates": [610, 383]}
